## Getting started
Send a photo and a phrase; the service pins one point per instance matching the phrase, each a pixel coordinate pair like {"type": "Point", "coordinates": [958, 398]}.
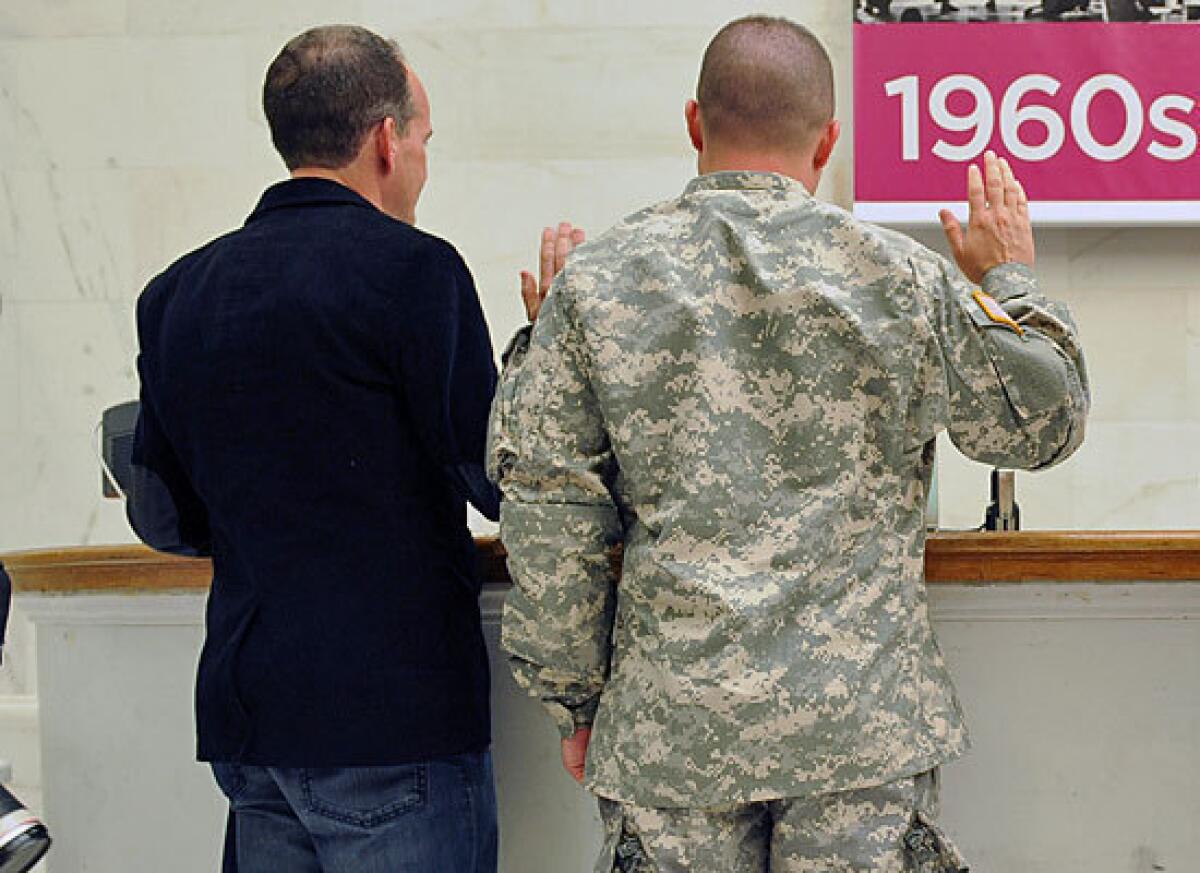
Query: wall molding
{"type": "Point", "coordinates": [1049, 601]}
{"type": "Point", "coordinates": [132, 609]}
{"type": "Point", "coordinates": [1065, 601]}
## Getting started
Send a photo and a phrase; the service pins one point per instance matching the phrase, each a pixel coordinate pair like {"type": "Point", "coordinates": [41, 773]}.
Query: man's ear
{"type": "Point", "coordinates": [829, 138]}
{"type": "Point", "coordinates": [691, 114]}
{"type": "Point", "coordinates": [384, 142]}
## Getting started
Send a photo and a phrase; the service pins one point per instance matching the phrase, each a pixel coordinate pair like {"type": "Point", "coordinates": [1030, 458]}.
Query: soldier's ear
{"type": "Point", "coordinates": [828, 139]}
{"type": "Point", "coordinates": [691, 114]}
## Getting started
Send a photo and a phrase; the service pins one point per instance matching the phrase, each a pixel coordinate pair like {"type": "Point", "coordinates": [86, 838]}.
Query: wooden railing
{"type": "Point", "coordinates": [949, 557]}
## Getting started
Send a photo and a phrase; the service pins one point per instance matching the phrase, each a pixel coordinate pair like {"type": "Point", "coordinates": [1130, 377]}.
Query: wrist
{"type": "Point", "coordinates": [1008, 279]}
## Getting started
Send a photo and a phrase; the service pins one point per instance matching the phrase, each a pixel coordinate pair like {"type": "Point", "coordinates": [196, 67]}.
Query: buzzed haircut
{"type": "Point", "coordinates": [765, 82]}
{"type": "Point", "coordinates": [327, 88]}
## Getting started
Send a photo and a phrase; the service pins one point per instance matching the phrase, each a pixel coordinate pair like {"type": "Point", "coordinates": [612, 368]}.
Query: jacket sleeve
{"type": "Point", "coordinates": [1009, 366]}
{"type": "Point", "coordinates": [162, 507]}
{"type": "Point", "coordinates": [550, 453]}
{"type": "Point", "coordinates": [447, 374]}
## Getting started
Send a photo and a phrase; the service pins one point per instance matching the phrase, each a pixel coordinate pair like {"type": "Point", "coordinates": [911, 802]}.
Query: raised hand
{"type": "Point", "coordinates": [556, 245]}
{"type": "Point", "coordinates": [998, 229]}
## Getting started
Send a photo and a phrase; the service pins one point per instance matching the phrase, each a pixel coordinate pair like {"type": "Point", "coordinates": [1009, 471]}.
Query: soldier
{"type": "Point", "coordinates": [742, 386]}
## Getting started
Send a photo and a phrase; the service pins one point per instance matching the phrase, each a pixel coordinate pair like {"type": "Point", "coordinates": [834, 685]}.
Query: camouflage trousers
{"type": "Point", "coordinates": [883, 829]}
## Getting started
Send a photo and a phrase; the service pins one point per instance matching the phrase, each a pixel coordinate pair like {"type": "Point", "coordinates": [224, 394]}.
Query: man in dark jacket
{"type": "Point", "coordinates": [315, 390]}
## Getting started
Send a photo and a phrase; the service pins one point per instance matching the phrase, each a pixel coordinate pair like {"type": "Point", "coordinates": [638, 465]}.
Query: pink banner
{"type": "Point", "coordinates": [1088, 114]}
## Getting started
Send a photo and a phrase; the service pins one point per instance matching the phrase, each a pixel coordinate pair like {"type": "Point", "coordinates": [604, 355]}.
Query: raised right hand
{"type": "Point", "coordinates": [998, 229]}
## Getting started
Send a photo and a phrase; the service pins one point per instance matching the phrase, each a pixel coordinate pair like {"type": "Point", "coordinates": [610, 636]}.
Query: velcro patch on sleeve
{"type": "Point", "coordinates": [995, 312]}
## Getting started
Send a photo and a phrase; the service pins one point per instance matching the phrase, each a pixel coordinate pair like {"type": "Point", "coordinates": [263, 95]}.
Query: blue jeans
{"type": "Point", "coordinates": [433, 817]}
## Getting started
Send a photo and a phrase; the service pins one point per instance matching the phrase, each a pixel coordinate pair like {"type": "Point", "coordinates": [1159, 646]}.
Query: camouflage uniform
{"type": "Point", "coordinates": [884, 829]}
{"type": "Point", "coordinates": [743, 385]}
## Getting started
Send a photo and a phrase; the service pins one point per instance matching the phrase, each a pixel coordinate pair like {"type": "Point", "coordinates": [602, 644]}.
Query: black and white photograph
{"type": "Point", "coordinates": [1002, 12]}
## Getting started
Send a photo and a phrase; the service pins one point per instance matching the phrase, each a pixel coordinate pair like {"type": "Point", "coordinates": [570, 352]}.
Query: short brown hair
{"type": "Point", "coordinates": [765, 81]}
{"type": "Point", "coordinates": [327, 88]}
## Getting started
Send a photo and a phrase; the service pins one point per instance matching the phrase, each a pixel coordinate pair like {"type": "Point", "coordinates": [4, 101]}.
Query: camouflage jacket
{"type": "Point", "coordinates": [742, 386]}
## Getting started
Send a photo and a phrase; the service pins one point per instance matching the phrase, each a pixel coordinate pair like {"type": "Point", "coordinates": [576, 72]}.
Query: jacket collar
{"type": "Point", "coordinates": [742, 180]}
{"type": "Point", "coordinates": [306, 192]}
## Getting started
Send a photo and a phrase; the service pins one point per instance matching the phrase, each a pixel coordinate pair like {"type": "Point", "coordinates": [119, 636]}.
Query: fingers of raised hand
{"type": "Point", "coordinates": [993, 179]}
{"type": "Point", "coordinates": [976, 198]}
{"type": "Point", "coordinates": [546, 259]}
{"type": "Point", "coordinates": [1011, 189]}
{"type": "Point", "coordinates": [562, 245]}
{"type": "Point", "coordinates": [1022, 202]}
{"type": "Point", "coordinates": [578, 236]}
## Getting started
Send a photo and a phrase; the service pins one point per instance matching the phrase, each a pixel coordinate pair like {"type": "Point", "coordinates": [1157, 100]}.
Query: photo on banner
{"type": "Point", "coordinates": [1096, 103]}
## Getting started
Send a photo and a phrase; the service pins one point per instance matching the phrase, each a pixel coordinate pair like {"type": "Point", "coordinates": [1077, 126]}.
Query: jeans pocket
{"type": "Point", "coordinates": [231, 779]}
{"type": "Point", "coordinates": [365, 796]}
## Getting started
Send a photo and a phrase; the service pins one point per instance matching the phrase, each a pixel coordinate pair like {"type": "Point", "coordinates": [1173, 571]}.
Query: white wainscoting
{"type": "Point", "coordinates": [1084, 702]}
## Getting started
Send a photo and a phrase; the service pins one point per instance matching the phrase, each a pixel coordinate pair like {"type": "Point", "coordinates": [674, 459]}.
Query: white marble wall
{"type": "Point", "coordinates": [130, 132]}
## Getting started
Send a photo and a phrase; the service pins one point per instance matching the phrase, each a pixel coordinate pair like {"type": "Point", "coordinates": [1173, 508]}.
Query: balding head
{"type": "Point", "coordinates": [327, 88]}
{"type": "Point", "coordinates": [765, 83]}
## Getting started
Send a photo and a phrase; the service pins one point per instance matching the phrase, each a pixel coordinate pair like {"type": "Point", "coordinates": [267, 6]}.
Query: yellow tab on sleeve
{"type": "Point", "coordinates": [995, 312]}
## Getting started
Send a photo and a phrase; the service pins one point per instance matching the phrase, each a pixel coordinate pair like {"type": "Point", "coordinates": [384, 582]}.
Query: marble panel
{"type": "Point", "coordinates": [1133, 259]}
{"type": "Point", "coordinates": [77, 359]}
{"type": "Point", "coordinates": [399, 17]}
{"type": "Point", "coordinates": [1193, 356]}
{"type": "Point", "coordinates": [10, 369]}
{"type": "Point", "coordinates": [189, 17]}
{"type": "Point", "coordinates": [558, 94]}
{"type": "Point", "coordinates": [117, 102]}
{"type": "Point", "coordinates": [17, 119]}
{"type": "Point", "coordinates": [50, 494]}
{"type": "Point", "coordinates": [1053, 265]}
{"type": "Point", "coordinates": [56, 18]}
{"type": "Point", "coordinates": [65, 234]}
{"type": "Point", "coordinates": [178, 209]}
{"type": "Point", "coordinates": [1136, 346]}
{"type": "Point", "coordinates": [1124, 476]}
{"type": "Point", "coordinates": [1138, 475]}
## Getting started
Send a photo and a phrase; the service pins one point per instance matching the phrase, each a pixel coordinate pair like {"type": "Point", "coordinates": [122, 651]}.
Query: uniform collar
{"type": "Point", "coordinates": [743, 180]}
{"type": "Point", "coordinates": [306, 192]}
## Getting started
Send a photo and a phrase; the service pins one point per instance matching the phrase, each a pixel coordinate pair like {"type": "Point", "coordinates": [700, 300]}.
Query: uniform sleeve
{"type": "Point", "coordinates": [1009, 366]}
{"type": "Point", "coordinates": [448, 376]}
{"type": "Point", "coordinates": [551, 456]}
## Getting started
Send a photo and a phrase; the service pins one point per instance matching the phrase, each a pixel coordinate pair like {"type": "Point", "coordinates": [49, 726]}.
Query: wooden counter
{"type": "Point", "coordinates": [1026, 556]}
{"type": "Point", "coordinates": [1077, 672]}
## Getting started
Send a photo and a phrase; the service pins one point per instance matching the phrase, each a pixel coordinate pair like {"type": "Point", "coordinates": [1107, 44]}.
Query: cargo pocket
{"type": "Point", "coordinates": [928, 850]}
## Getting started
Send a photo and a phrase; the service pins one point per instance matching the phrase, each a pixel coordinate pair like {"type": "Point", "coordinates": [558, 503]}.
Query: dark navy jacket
{"type": "Point", "coordinates": [315, 392]}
